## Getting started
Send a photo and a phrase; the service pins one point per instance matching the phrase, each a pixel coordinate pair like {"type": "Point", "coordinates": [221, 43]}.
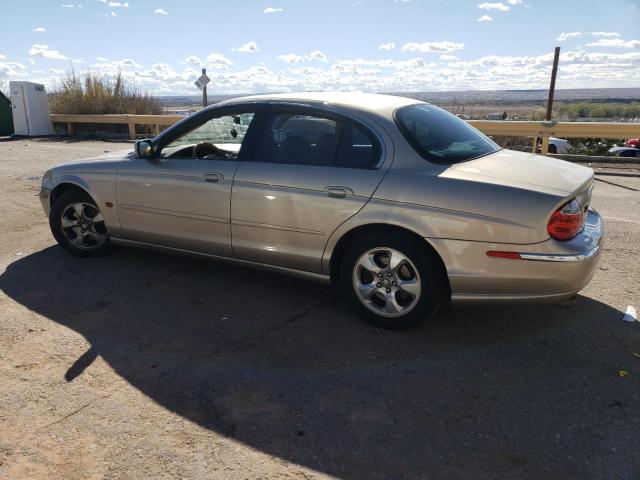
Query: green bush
{"type": "Point", "coordinates": [89, 93]}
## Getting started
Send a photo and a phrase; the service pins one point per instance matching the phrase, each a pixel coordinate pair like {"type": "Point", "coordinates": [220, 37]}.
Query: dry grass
{"type": "Point", "coordinates": [89, 93]}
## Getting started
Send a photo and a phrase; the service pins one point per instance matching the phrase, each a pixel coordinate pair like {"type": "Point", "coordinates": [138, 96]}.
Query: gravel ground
{"type": "Point", "coordinates": [143, 365]}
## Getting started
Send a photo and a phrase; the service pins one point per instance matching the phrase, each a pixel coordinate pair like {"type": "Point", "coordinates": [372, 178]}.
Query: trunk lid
{"type": "Point", "coordinates": [533, 172]}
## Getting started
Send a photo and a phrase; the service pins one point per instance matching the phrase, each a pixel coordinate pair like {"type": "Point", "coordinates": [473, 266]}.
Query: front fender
{"type": "Point", "coordinates": [99, 185]}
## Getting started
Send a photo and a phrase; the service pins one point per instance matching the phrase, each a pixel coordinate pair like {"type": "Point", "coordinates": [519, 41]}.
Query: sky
{"type": "Point", "coordinates": [250, 46]}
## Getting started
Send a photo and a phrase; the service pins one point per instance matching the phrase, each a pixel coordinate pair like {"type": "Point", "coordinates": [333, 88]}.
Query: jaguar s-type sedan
{"type": "Point", "coordinates": [400, 204]}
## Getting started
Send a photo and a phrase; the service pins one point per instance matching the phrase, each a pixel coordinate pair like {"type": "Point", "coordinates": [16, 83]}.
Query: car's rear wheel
{"type": "Point", "coordinates": [553, 148]}
{"type": "Point", "coordinates": [78, 226]}
{"type": "Point", "coordinates": [393, 282]}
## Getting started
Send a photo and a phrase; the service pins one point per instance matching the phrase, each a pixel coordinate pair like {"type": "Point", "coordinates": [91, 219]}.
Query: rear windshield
{"type": "Point", "coordinates": [441, 137]}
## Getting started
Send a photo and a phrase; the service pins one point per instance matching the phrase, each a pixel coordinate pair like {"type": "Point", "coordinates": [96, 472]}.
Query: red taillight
{"type": "Point", "coordinates": [500, 254]}
{"type": "Point", "coordinates": [566, 222]}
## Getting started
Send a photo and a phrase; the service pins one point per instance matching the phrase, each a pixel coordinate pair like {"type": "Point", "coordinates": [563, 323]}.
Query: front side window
{"type": "Point", "coordinates": [219, 137]}
{"type": "Point", "coordinates": [440, 137]}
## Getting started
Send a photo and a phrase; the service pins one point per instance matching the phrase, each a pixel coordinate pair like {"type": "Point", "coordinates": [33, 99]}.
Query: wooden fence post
{"type": "Point", "coordinates": [545, 146]}
{"type": "Point", "coordinates": [132, 131]}
{"type": "Point", "coordinates": [70, 130]}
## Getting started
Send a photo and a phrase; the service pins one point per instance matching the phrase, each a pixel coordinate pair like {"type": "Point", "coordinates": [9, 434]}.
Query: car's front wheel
{"type": "Point", "coordinates": [393, 282]}
{"type": "Point", "coordinates": [78, 226]}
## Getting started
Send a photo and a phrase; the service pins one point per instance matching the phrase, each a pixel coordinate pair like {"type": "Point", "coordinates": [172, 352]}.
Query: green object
{"type": "Point", "coordinates": [6, 116]}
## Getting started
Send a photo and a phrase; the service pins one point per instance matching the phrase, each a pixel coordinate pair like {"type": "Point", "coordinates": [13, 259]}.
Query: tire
{"type": "Point", "coordinates": [415, 281]}
{"type": "Point", "coordinates": [553, 149]}
{"type": "Point", "coordinates": [73, 223]}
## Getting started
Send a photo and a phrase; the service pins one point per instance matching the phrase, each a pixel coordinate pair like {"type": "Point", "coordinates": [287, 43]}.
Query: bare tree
{"type": "Point", "coordinates": [4, 83]}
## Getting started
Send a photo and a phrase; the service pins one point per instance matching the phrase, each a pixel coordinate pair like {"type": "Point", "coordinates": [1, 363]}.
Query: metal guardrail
{"type": "Point", "coordinates": [536, 130]}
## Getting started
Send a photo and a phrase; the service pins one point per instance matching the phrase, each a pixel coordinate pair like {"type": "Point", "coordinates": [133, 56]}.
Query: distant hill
{"type": "Point", "coordinates": [495, 97]}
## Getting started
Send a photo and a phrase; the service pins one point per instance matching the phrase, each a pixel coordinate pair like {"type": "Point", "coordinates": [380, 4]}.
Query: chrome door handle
{"type": "Point", "coordinates": [213, 177]}
{"type": "Point", "coordinates": [338, 192]}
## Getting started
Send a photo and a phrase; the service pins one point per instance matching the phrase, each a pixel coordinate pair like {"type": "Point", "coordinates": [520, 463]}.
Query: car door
{"type": "Point", "coordinates": [309, 172]}
{"type": "Point", "coordinates": [180, 198]}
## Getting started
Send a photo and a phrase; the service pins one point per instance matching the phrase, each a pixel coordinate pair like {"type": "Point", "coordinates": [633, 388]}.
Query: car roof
{"type": "Point", "coordinates": [371, 102]}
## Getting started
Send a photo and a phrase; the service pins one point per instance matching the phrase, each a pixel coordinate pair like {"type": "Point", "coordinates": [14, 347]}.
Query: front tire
{"type": "Point", "coordinates": [392, 282]}
{"type": "Point", "coordinates": [78, 226]}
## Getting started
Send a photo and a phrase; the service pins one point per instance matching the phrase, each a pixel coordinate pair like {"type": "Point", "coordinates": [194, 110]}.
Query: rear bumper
{"type": "Point", "coordinates": [549, 271]}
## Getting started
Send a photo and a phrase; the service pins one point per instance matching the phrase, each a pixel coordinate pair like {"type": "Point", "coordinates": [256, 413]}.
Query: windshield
{"type": "Point", "coordinates": [441, 137]}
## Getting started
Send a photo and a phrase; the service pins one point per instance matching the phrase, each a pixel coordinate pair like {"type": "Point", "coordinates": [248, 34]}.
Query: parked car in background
{"type": "Point", "coordinates": [632, 143]}
{"type": "Point", "coordinates": [556, 145]}
{"type": "Point", "coordinates": [398, 203]}
{"type": "Point", "coordinates": [625, 151]}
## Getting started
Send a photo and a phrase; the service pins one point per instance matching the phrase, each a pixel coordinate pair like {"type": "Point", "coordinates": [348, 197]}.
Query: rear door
{"type": "Point", "coordinates": [310, 171]}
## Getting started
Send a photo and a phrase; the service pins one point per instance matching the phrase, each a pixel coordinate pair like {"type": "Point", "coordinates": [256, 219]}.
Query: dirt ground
{"type": "Point", "coordinates": [143, 365]}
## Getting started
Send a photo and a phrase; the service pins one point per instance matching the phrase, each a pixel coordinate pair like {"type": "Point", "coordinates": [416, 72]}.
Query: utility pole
{"type": "Point", "coordinates": [552, 86]}
{"type": "Point", "coordinates": [204, 90]}
{"type": "Point", "coordinates": [552, 89]}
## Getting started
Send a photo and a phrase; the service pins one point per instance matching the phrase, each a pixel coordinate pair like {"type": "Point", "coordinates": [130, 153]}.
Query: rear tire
{"type": "Point", "coordinates": [77, 225]}
{"type": "Point", "coordinates": [553, 149]}
{"type": "Point", "coordinates": [391, 281]}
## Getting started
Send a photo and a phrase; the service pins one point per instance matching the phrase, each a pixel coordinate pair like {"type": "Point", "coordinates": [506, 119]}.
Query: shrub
{"type": "Point", "coordinates": [89, 93]}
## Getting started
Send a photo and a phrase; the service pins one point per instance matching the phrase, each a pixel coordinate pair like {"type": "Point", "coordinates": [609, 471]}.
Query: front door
{"type": "Point", "coordinates": [181, 198]}
{"type": "Point", "coordinates": [310, 172]}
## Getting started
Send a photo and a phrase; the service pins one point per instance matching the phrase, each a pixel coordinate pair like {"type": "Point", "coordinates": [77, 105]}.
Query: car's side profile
{"type": "Point", "coordinates": [401, 204]}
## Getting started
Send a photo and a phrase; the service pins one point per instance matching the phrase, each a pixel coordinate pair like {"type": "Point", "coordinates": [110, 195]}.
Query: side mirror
{"type": "Point", "coordinates": [144, 149]}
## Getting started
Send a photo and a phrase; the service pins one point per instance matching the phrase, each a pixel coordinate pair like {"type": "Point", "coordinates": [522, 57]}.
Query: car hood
{"type": "Point", "coordinates": [97, 161]}
{"type": "Point", "coordinates": [526, 170]}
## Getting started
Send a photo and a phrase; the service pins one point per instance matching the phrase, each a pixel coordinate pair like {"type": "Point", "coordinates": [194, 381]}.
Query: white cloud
{"type": "Point", "coordinates": [12, 69]}
{"type": "Point", "coordinates": [194, 60]}
{"type": "Point", "coordinates": [273, 10]}
{"type": "Point", "coordinates": [317, 55]}
{"type": "Point", "coordinates": [514, 2]}
{"type": "Point", "coordinates": [247, 47]}
{"type": "Point", "coordinates": [438, 47]}
{"type": "Point", "coordinates": [495, 6]}
{"type": "Point", "coordinates": [615, 42]}
{"type": "Point", "coordinates": [580, 69]}
{"type": "Point", "coordinates": [566, 35]}
{"type": "Point", "coordinates": [605, 34]}
{"type": "Point", "coordinates": [114, 14]}
{"type": "Point", "coordinates": [485, 18]}
{"type": "Point", "coordinates": [160, 11]}
{"type": "Point", "coordinates": [102, 59]}
{"type": "Point", "coordinates": [46, 52]}
{"type": "Point", "coordinates": [2, 57]}
{"type": "Point", "coordinates": [291, 58]}
{"type": "Point", "coordinates": [39, 29]}
{"type": "Point", "coordinates": [387, 46]}
{"type": "Point", "coordinates": [67, 5]}
{"type": "Point", "coordinates": [119, 5]}
{"type": "Point", "coordinates": [217, 60]}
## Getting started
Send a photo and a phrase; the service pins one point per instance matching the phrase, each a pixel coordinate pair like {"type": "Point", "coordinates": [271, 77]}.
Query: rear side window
{"type": "Point", "coordinates": [441, 137]}
{"type": "Point", "coordinates": [301, 139]}
{"type": "Point", "coordinates": [358, 148]}
{"type": "Point", "coordinates": [294, 138]}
